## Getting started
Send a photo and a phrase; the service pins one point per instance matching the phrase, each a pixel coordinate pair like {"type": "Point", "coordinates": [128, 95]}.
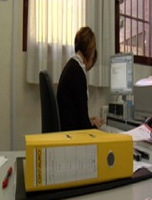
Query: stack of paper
{"type": "Point", "coordinates": [3, 160]}
{"type": "Point", "coordinates": [142, 132]}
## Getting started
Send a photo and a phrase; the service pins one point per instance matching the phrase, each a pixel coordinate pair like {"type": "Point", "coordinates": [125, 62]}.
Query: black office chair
{"type": "Point", "coordinates": [49, 106]}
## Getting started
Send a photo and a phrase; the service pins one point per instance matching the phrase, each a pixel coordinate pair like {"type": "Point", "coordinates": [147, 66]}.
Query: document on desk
{"type": "Point", "coordinates": [142, 132]}
{"type": "Point", "coordinates": [137, 165]}
{"type": "Point", "coordinates": [3, 160]}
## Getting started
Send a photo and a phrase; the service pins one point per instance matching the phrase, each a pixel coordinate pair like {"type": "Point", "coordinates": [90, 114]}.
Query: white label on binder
{"type": "Point", "coordinates": [70, 163]}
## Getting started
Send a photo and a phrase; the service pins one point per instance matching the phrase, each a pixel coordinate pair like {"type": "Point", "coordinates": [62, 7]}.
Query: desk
{"type": "Point", "coordinates": [137, 191]}
{"type": "Point", "coordinates": [122, 124]}
{"type": "Point", "coordinates": [9, 192]}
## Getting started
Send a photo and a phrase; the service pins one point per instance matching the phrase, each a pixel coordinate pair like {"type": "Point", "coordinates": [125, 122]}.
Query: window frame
{"type": "Point", "coordinates": [137, 59]}
{"type": "Point", "coordinates": [25, 25]}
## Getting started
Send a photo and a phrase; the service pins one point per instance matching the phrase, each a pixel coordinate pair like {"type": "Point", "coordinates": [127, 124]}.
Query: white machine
{"type": "Point", "coordinates": [142, 102]}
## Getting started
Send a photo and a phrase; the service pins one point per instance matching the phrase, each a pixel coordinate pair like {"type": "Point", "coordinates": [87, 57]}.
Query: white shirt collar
{"type": "Point", "coordinates": [80, 61]}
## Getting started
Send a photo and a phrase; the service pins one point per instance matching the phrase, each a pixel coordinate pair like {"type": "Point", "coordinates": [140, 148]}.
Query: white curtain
{"type": "Point", "coordinates": [52, 26]}
{"type": "Point", "coordinates": [100, 17]}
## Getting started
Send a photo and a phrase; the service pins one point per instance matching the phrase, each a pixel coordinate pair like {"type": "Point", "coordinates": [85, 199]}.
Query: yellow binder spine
{"type": "Point", "coordinates": [90, 157]}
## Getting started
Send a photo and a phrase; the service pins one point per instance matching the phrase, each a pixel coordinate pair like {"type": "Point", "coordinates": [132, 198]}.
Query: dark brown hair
{"type": "Point", "coordinates": [85, 42]}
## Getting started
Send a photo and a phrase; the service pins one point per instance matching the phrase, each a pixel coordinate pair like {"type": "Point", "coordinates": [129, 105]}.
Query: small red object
{"type": "Point", "coordinates": [5, 181]}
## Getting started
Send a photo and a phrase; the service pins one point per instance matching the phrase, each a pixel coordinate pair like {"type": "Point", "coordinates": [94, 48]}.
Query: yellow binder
{"type": "Point", "coordinates": [76, 158]}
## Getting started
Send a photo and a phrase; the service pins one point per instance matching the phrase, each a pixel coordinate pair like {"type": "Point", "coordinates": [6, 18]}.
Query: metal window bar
{"type": "Point", "coordinates": [144, 28]}
{"type": "Point", "coordinates": [137, 36]}
{"type": "Point", "coordinates": [130, 25]}
{"type": "Point", "coordinates": [126, 16]}
{"type": "Point", "coordinates": [125, 24]}
{"type": "Point", "coordinates": [150, 28]}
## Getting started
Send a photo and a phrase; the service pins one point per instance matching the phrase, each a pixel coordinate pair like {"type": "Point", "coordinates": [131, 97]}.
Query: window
{"type": "Point", "coordinates": [61, 20]}
{"type": "Point", "coordinates": [133, 29]}
{"type": "Point", "coordinates": [52, 25]}
{"type": "Point", "coordinates": [25, 17]}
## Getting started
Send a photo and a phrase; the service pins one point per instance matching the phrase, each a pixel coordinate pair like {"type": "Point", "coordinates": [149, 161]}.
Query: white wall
{"type": "Point", "coordinates": [27, 104]}
{"type": "Point", "coordinates": [5, 74]}
{"type": "Point", "coordinates": [19, 102]}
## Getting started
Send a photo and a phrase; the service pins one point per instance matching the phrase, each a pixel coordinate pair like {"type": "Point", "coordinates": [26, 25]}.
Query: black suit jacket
{"type": "Point", "coordinates": [72, 98]}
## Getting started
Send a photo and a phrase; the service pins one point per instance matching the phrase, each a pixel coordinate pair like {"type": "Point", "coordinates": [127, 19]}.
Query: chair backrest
{"type": "Point", "coordinates": [49, 106]}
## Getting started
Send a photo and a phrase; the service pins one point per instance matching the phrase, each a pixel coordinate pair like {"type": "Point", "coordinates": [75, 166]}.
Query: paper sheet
{"type": "Point", "coordinates": [3, 160]}
{"type": "Point", "coordinates": [137, 165]}
{"type": "Point", "coordinates": [142, 132]}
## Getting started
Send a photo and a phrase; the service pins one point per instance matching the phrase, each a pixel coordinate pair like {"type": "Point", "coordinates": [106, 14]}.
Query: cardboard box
{"type": "Point", "coordinates": [76, 158]}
